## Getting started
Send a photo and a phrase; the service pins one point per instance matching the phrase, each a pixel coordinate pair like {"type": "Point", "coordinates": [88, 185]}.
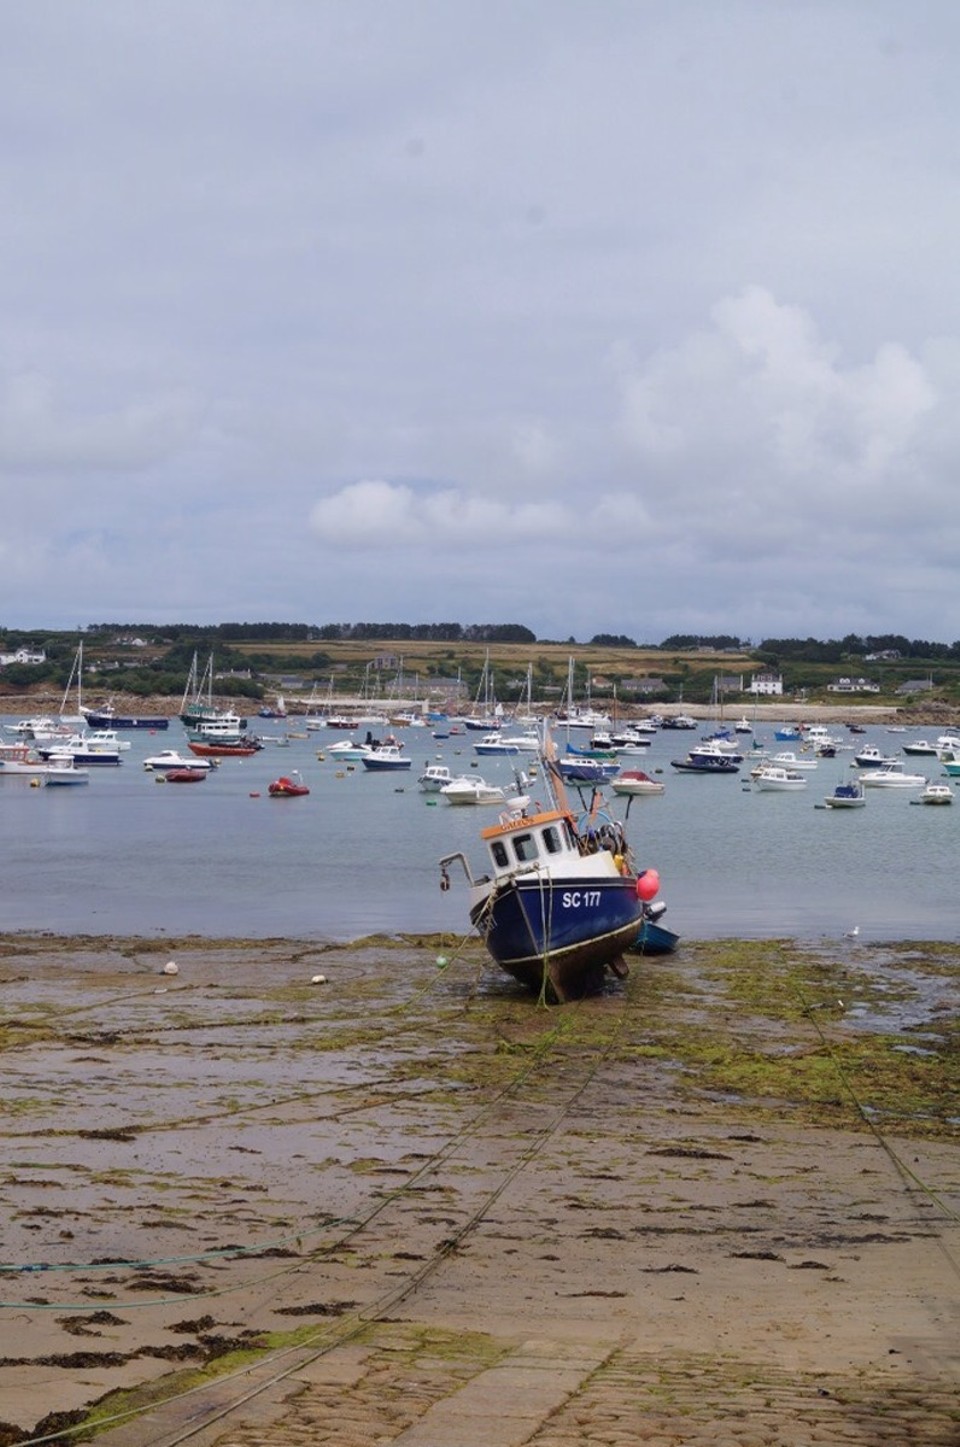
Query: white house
{"type": "Point", "coordinates": [23, 655]}
{"type": "Point", "coordinates": [853, 685]}
{"type": "Point", "coordinates": [769, 683]}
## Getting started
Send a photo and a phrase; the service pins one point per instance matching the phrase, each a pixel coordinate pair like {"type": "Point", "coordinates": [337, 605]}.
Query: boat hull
{"type": "Point", "coordinates": [221, 750]}
{"type": "Point", "coordinates": [705, 765]}
{"type": "Point", "coordinates": [107, 720]}
{"type": "Point", "coordinates": [560, 935]}
{"type": "Point", "coordinates": [654, 939]}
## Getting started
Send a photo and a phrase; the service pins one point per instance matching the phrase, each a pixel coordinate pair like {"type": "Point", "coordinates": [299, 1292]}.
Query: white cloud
{"type": "Point", "coordinates": [371, 514]}
{"type": "Point", "coordinates": [290, 278]}
{"type": "Point", "coordinates": [763, 396]}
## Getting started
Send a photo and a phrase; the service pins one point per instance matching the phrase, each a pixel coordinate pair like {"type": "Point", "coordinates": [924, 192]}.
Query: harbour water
{"type": "Point", "coordinates": [127, 856]}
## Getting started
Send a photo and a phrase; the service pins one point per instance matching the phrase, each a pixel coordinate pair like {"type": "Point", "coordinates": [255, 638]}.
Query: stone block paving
{"type": "Point", "coordinates": [410, 1388]}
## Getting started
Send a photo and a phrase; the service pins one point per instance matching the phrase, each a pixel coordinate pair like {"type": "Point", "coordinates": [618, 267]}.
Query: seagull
{"type": "Point", "coordinates": [851, 934]}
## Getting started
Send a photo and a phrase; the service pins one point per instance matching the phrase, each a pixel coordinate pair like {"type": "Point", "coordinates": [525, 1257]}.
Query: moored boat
{"type": "Point", "coordinates": [82, 751]}
{"type": "Point", "coordinates": [635, 781]}
{"type": "Point", "coordinates": [920, 747]}
{"type": "Point", "coordinates": [434, 777]}
{"type": "Point", "coordinates": [168, 759]}
{"type": "Point", "coordinates": [288, 786]}
{"type": "Point", "coordinates": [787, 759]}
{"type": "Point", "coordinates": [384, 757]}
{"type": "Point", "coordinates": [472, 789]}
{"type": "Point", "coordinates": [197, 706]}
{"type": "Point", "coordinates": [935, 793]}
{"type": "Point", "coordinates": [847, 795]}
{"type": "Point", "coordinates": [702, 761]}
{"type": "Point", "coordinates": [222, 749]}
{"type": "Point", "coordinates": [582, 769]}
{"type": "Point", "coordinates": [107, 717]}
{"type": "Point", "coordinates": [870, 757]}
{"type": "Point", "coordinates": [63, 771]}
{"type": "Point", "coordinates": [187, 775]}
{"type": "Point", "coordinates": [892, 776]}
{"type": "Point", "coordinates": [774, 778]}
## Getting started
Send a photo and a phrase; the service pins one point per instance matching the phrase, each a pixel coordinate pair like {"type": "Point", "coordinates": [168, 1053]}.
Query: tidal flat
{"type": "Point", "coordinates": [374, 1175]}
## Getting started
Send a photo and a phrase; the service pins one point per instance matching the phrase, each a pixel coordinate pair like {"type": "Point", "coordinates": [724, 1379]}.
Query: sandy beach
{"type": "Point", "coordinates": [287, 1193]}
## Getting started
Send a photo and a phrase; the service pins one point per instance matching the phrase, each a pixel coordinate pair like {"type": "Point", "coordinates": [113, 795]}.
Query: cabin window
{"type": "Point", "coordinates": [499, 851]}
{"type": "Point", "coordinates": [551, 840]}
{"type": "Point", "coordinates": [524, 847]}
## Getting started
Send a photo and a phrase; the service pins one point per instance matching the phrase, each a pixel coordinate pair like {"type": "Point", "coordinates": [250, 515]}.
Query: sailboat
{"type": "Point", "coordinates": [525, 715]}
{"type": "Point", "coordinates": [577, 716]}
{"type": "Point", "coordinates": [76, 720]}
{"type": "Point", "coordinates": [488, 714]}
{"type": "Point", "coordinates": [197, 706]}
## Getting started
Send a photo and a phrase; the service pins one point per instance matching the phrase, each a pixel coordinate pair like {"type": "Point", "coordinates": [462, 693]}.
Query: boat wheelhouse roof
{"type": "Point", "coordinates": [511, 822]}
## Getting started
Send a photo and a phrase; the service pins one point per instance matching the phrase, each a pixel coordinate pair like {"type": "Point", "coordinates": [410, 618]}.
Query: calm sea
{"type": "Point", "coordinates": [126, 855]}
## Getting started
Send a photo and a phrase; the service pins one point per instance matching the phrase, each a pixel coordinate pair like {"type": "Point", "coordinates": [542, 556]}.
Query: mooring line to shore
{"type": "Point", "coordinates": [349, 1327]}
{"type": "Point", "coordinates": [11, 1270]}
{"type": "Point", "coordinates": [910, 1180]}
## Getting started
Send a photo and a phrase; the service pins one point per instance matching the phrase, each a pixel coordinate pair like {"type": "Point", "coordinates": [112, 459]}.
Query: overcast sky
{"type": "Point", "coordinates": [634, 317]}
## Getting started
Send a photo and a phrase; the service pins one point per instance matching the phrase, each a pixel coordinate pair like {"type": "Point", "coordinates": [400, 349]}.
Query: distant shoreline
{"type": "Point", "coordinates": [917, 715]}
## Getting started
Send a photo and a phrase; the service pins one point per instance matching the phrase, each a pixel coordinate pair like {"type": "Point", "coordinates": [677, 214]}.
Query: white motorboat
{"type": "Point", "coordinates": [920, 747]}
{"type": "Point", "coordinates": [892, 776]}
{"type": "Point", "coordinates": [936, 794]}
{"type": "Point", "coordinates": [61, 770]}
{"type": "Point", "coordinates": [103, 739]}
{"type": "Point", "coordinates": [787, 759]}
{"type": "Point", "coordinates": [434, 777]}
{"type": "Point", "coordinates": [386, 757]}
{"type": "Point", "coordinates": [348, 750]}
{"type": "Point", "coordinates": [635, 781]}
{"type": "Point", "coordinates": [870, 757]}
{"type": "Point", "coordinates": [472, 789]}
{"type": "Point", "coordinates": [494, 743]}
{"type": "Point", "coordinates": [82, 750]}
{"type": "Point", "coordinates": [775, 778]}
{"type": "Point", "coordinates": [29, 728]}
{"type": "Point", "coordinates": [171, 759]}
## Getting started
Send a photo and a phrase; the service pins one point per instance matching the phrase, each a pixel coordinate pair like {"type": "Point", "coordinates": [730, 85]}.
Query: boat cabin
{"type": "Point", "coordinates": [547, 843]}
{"type": "Point", "coordinates": [520, 841]}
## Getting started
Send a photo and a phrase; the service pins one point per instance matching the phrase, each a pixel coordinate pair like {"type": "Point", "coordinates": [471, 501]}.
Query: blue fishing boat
{"type": "Point", "coordinates": [559, 901]}
{"type": "Point", "coordinates": [706, 762]}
